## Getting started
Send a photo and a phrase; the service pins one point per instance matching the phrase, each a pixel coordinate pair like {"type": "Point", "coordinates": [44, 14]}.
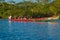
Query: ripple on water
{"type": "Point", "coordinates": [29, 30]}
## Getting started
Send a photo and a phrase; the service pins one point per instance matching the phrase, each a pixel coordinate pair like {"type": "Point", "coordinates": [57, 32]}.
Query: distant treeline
{"type": "Point", "coordinates": [29, 9]}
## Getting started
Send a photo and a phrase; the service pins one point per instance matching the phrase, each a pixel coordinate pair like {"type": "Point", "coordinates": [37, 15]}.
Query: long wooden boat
{"type": "Point", "coordinates": [27, 20]}
{"type": "Point", "coordinates": [20, 20]}
{"type": "Point", "coordinates": [35, 19]}
{"type": "Point", "coordinates": [49, 19]}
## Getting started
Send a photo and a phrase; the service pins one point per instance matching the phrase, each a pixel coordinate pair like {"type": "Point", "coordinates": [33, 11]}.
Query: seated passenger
{"type": "Point", "coordinates": [19, 18]}
{"type": "Point", "coordinates": [24, 18]}
{"type": "Point", "coordinates": [10, 17]}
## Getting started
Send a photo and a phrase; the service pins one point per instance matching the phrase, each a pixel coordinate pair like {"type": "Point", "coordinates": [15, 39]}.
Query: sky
{"type": "Point", "coordinates": [15, 0]}
{"type": "Point", "coordinates": [22, 0]}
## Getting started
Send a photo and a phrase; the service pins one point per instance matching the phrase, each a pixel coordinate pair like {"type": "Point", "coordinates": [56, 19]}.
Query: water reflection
{"type": "Point", "coordinates": [10, 26]}
{"type": "Point", "coordinates": [52, 23]}
{"type": "Point", "coordinates": [53, 30]}
{"type": "Point", "coordinates": [40, 22]}
{"type": "Point", "coordinates": [32, 30]}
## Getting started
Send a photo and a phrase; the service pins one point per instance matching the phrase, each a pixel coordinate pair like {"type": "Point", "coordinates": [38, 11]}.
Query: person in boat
{"type": "Point", "coordinates": [24, 18]}
{"type": "Point", "coordinates": [21, 18]}
{"type": "Point", "coordinates": [29, 18]}
{"type": "Point", "coordinates": [18, 18]}
{"type": "Point", "coordinates": [10, 17]}
{"type": "Point", "coordinates": [15, 18]}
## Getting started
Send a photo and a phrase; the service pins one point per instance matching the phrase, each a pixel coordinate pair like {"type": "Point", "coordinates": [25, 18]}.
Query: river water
{"type": "Point", "coordinates": [29, 30]}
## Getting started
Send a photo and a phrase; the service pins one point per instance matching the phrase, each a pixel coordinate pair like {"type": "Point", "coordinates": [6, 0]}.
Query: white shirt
{"type": "Point", "coordinates": [10, 17]}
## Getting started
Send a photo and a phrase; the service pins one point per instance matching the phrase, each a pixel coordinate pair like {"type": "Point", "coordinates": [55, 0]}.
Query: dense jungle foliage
{"type": "Point", "coordinates": [30, 8]}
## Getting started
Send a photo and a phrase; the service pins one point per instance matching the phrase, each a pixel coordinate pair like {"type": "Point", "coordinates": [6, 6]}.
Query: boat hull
{"type": "Point", "coordinates": [36, 19]}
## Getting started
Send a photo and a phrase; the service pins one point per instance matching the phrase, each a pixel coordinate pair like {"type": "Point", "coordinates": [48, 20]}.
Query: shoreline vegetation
{"type": "Point", "coordinates": [29, 9]}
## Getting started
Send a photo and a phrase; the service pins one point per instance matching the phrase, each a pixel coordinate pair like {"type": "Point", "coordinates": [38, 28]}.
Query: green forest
{"type": "Point", "coordinates": [30, 9]}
